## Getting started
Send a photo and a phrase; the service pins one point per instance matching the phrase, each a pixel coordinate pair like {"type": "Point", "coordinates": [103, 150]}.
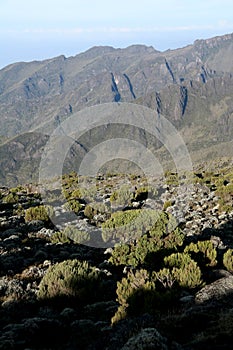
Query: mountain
{"type": "Point", "coordinates": [191, 86]}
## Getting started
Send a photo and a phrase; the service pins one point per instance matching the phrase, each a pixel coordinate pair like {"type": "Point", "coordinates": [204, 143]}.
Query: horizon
{"type": "Point", "coordinates": [114, 47]}
{"type": "Point", "coordinates": [43, 30]}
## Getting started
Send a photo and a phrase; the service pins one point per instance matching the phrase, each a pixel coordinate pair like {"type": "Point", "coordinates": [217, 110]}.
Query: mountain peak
{"type": "Point", "coordinates": [139, 48]}
{"type": "Point", "coordinates": [96, 51]}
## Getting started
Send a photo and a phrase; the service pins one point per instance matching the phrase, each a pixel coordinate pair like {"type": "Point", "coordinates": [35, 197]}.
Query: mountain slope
{"type": "Point", "coordinates": [33, 94]}
{"type": "Point", "coordinates": [191, 86]}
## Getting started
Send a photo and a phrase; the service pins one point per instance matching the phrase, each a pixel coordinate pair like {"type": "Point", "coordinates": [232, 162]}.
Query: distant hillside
{"type": "Point", "coordinates": [191, 86]}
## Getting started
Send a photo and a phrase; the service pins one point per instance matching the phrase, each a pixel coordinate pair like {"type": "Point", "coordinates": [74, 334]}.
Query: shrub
{"type": "Point", "coordinates": [124, 226]}
{"type": "Point", "coordinates": [67, 190]}
{"type": "Point", "coordinates": [60, 237]}
{"type": "Point", "coordinates": [172, 178]}
{"type": "Point", "coordinates": [151, 247]}
{"type": "Point", "coordinates": [184, 270]}
{"type": "Point", "coordinates": [123, 196]}
{"type": "Point", "coordinates": [95, 208]}
{"type": "Point", "coordinates": [165, 277]}
{"type": "Point", "coordinates": [167, 204]}
{"type": "Point", "coordinates": [165, 224]}
{"type": "Point", "coordinates": [16, 190]}
{"type": "Point", "coordinates": [11, 198]}
{"type": "Point", "coordinates": [76, 194]}
{"type": "Point", "coordinates": [70, 278]}
{"type": "Point", "coordinates": [89, 212]}
{"type": "Point", "coordinates": [228, 260]}
{"type": "Point", "coordinates": [137, 294]}
{"type": "Point", "coordinates": [73, 205]}
{"type": "Point", "coordinates": [19, 211]}
{"type": "Point", "coordinates": [129, 286]}
{"type": "Point", "coordinates": [158, 240]}
{"type": "Point", "coordinates": [40, 212]}
{"type": "Point", "coordinates": [225, 194]}
{"type": "Point", "coordinates": [88, 193]}
{"type": "Point", "coordinates": [144, 192]}
{"type": "Point", "coordinates": [76, 235]}
{"type": "Point", "coordinates": [203, 252]}
{"type": "Point", "coordinates": [120, 255]}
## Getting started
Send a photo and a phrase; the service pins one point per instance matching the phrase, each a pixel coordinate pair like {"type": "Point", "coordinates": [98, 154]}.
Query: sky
{"type": "Point", "coordinates": [40, 29]}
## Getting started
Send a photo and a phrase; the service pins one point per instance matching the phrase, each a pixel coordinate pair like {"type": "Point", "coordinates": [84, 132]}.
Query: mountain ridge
{"type": "Point", "coordinates": [191, 86]}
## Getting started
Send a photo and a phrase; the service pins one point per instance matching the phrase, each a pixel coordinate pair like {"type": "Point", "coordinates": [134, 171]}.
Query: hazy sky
{"type": "Point", "coordinates": [38, 29]}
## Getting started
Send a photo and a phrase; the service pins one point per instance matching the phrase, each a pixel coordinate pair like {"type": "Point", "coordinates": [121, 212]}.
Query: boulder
{"type": "Point", "coordinates": [220, 291]}
{"type": "Point", "coordinates": [149, 338]}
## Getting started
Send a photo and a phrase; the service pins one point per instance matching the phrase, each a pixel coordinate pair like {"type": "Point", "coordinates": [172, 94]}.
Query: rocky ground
{"type": "Point", "coordinates": [200, 318]}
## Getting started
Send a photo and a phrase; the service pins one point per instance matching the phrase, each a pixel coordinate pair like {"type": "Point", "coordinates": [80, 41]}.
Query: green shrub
{"type": "Point", "coordinates": [159, 239]}
{"type": "Point", "coordinates": [184, 270]}
{"type": "Point", "coordinates": [19, 211]}
{"type": "Point", "coordinates": [18, 189]}
{"type": "Point", "coordinates": [89, 212]}
{"type": "Point", "coordinates": [128, 225]}
{"type": "Point", "coordinates": [228, 260]}
{"type": "Point", "coordinates": [225, 194]}
{"type": "Point", "coordinates": [203, 252]}
{"type": "Point", "coordinates": [89, 193]}
{"type": "Point", "coordinates": [172, 178]}
{"type": "Point", "coordinates": [41, 212]}
{"type": "Point", "coordinates": [76, 194]}
{"type": "Point", "coordinates": [144, 192]}
{"type": "Point", "coordinates": [76, 235]}
{"type": "Point", "coordinates": [120, 255]}
{"type": "Point", "coordinates": [165, 277]}
{"type": "Point", "coordinates": [95, 208]}
{"type": "Point", "coordinates": [138, 281]}
{"type": "Point", "coordinates": [73, 205]}
{"type": "Point", "coordinates": [60, 237]}
{"type": "Point", "coordinates": [137, 294]}
{"type": "Point", "coordinates": [70, 278]}
{"type": "Point", "coordinates": [166, 205]}
{"type": "Point", "coordinates": [165, 224]}
{"type": "Point", "coordinates": [225, 204]}
{"type": "Point", "coordinates": [10, 198]}
{"type": "Point", "coordinates": [123, 196]}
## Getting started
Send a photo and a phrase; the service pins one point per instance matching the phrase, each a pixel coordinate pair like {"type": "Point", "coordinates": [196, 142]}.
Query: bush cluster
{"type": "Point", "coordinates": [128, 225]}
{"type": "Point", "coordinates": [13, 195]}
{"type": "Point", "coordinates": [122, 196]}
{"type": "Point", "coordinates": [60, 237]}
{"type": "Point", "coordinates": [73, 205]}
{"type": "Point", "coordinates": [95, 208]}
{"type": "Point", "coordinates": [40, 212]}
{"type": "Point", "coordinates": [203, 252]}
{"type": "Point", "coordinates": [70, 278]}
{"type": "Point", "coordinates": [74, 234]}
{"type": "Point", "coordinates": [143, 192]}
{"type": "Point", "coordinates": [162, 236]}
{"type": "Point", "coordinates": [184, 270]}
{"type": "Point", "coordinates": [129, 292]}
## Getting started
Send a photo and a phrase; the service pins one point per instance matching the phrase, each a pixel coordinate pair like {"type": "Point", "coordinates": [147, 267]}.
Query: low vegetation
{"type": "Point", "coordinates": [70, 278]}
{"type": "Point", "coordinates": [151, 269]}
{"type": "Point", "coordinates": [40, 212]}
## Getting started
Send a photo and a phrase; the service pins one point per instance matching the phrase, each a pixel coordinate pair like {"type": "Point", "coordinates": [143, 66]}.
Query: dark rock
{"type": "Point", "coordinates": [149, 338]}
{"type": "Point", "coordinates": [220, 291]}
